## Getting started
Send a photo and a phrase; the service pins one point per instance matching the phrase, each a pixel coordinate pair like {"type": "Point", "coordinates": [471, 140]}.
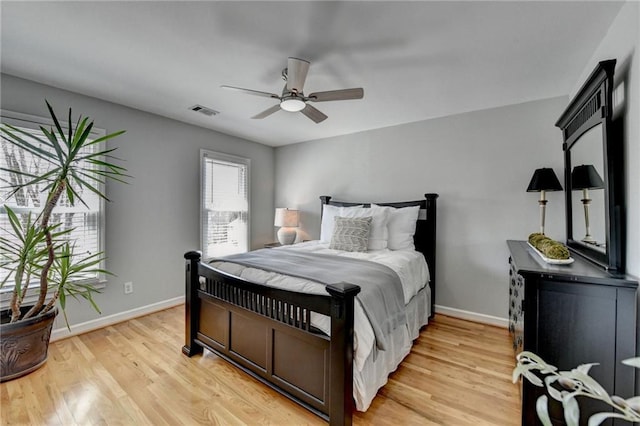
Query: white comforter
{"type": "Point", "coordinates": [410, 266]}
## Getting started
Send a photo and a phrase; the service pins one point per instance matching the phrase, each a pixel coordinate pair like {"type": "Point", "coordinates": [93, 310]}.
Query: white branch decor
{"type": "Point", "coordinates": [564, 386]}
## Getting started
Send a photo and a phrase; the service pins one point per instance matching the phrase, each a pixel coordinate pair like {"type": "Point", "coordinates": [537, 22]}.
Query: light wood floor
{"type": "Point", "coordinates": [133, 373]}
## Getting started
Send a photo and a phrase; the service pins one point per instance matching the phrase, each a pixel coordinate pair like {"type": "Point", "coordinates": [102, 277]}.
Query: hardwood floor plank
{"type": "Point", "coordinates": [134, 373]}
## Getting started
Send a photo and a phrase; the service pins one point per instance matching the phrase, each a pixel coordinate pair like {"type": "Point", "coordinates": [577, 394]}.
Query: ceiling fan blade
{"type": "Point", "coordinates": [296, 74]}
{"type": "Point", "coordinates": [337, 95]}
{"type": "Point", "coordinates": [313, 113]}
{"type": "Point", "coordinates": [267, 112]}
{"type": "Point", "coordinates": [252, 92]}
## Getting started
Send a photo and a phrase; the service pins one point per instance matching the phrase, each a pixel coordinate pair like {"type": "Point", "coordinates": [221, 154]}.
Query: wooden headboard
{"type": "Point", "coordinates": [425, 236]}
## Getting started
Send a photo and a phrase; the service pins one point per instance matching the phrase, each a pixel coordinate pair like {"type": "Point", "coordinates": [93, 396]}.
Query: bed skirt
{"type": "Point", "coordinates": [374, 374]}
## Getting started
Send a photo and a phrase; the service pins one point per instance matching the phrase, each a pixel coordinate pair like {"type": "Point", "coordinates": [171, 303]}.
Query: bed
{"type": "Point", "coordinates": [310, 347]}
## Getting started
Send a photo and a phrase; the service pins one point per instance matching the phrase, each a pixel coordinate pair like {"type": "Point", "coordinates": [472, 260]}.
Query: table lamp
{"type": "Point", "coordinates": [287, 220]}
{"type": "Point", "coordinates": [543, 180]}
{"type": "Point", "coordinates": [585, 177]}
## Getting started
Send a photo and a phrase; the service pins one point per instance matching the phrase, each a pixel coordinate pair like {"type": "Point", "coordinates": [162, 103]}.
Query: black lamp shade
{"type": "Point", "coordinates": [544, 180]}
{"type": "Point", "coordinates": [586, 177]}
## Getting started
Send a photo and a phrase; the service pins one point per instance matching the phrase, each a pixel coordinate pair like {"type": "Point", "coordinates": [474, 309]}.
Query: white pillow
{"type": "Point", "coordinates": [379, 233]}
{"type": "Point", "coordinates": [329, 212]}
{"type": "Point", "coordinates": [401, 226]}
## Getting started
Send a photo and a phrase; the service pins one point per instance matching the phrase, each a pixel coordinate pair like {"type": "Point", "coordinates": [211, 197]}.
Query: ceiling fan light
{"type": "Point", "coordinates": [292, 104]}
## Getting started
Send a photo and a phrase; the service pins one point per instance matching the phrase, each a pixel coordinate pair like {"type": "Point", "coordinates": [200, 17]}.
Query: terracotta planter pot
{"type": "Point", "coordinates": [24, 344]}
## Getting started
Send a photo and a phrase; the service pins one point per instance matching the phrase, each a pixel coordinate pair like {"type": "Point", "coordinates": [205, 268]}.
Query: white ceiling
{"type": "Point", "coordinates": [415, 60]}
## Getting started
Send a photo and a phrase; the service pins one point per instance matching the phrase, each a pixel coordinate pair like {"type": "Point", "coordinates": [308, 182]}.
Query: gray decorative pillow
{"type": "Point", "coordinates": [351, 233]}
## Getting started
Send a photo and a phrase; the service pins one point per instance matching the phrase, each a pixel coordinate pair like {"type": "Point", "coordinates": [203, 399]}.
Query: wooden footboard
{"type": "Point", "coordinates": [267, 333]}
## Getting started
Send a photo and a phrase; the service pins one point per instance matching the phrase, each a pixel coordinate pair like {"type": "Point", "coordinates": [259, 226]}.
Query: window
{"type": "Point", "coordinates": [86, 222]}
{"type": "Point", "coordinates": [224, 204]}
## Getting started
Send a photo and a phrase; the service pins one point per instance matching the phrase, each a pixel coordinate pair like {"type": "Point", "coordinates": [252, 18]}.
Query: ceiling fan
{"type": "Point", "coordinates": [293, 98]}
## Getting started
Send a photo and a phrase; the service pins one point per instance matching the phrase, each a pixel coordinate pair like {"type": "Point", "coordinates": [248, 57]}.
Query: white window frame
{"type": "Point", "coordinates": [204, 154]}
{"type": "Point", "coordinates": [34, 122]}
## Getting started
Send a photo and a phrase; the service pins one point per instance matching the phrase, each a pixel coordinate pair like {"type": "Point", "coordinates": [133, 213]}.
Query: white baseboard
{"type": "Point", "coordinates": [472, 316]}
{"type": "Point", "coordinates": [85, 327]}
{"type": "Point", "coordinates": [63, 333]}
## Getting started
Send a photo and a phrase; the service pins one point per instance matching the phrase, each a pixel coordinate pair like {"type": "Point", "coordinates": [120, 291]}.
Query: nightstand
{"type": "Point", "coordinates": [272, 245]}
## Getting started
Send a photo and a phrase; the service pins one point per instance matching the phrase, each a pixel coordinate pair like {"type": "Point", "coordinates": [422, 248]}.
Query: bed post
{"type": "Point", "coordinates": [341, 388]}
{"type": "Point", "coordinates": [324, 199]}
{"type": "Point", "coordinates": [192, 304]}
{"type": "Point", "coordinates": [431, 243]}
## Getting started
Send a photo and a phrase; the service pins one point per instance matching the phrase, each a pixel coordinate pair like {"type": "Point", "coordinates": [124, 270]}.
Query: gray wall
{"type": "Point", "coordinates": [154, 220]}
{"type": "Point", "coordinates": [480, 163]}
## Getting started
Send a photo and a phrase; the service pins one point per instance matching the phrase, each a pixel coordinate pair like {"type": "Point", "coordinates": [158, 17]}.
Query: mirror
{"type": "Point", "coordinates": [594, 175]}
{"type": "Point", "coordinates": [588, 212]}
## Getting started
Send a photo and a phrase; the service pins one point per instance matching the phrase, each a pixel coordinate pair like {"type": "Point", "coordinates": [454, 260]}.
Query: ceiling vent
{"type": "Point", "coordinates": [204, 110]}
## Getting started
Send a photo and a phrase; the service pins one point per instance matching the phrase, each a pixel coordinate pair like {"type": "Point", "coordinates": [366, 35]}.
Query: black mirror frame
{"type": "Point", "coordinates": [593, 105]}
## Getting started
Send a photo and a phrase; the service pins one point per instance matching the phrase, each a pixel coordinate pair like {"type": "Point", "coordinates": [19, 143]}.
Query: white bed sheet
{"type": "Point", "coordinates": [410, 266]}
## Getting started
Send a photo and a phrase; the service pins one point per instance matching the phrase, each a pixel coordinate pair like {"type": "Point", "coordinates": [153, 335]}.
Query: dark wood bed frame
{"type": "Point", "coordinates": [267, 332]}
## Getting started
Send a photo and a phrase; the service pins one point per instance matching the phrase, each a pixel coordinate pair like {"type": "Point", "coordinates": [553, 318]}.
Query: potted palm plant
{"type": "Point", "coordinates": [37, 252]}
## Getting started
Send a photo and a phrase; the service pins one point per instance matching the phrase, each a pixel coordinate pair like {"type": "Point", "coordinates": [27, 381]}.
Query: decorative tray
{"type": "Point", "coordinates": [551, 261]}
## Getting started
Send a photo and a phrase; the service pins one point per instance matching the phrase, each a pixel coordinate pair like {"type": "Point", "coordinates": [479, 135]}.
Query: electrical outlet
{"type": "Point", "coordinates": [128, 287]}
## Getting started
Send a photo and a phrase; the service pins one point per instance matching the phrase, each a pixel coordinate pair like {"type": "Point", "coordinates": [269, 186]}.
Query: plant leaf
{"type": "Point", "coordinates": [55, 120]}
{"type": "Point", "coordinates": [81, 137]}
{"type": "Point", "coordinates": [543, 366]}
{"type": "Point", "coordinates": [106, 137]}
{"type": "Point", "coordinates": [519, 371]}
{"type": "Point", "coordinates": [543, 411]}
{"type": "Point", "coordinates": [83, 183]}
{"type": "Point", "coordinates": [26, 145]}
{"type": "Point", "coordinates": [34, 179]}
{"type": "Point", "coordinates": [588, 382]}
{"type": "Point", "coordinates": [598, 418]}
{"type": "Point", "coordinates": [62, 158]}
{"type": "Point", "coordinates": [584, 368]}
{"type": "Point", "coordinates": [553, 392]}
{"type": "Point", "coordinates": [571, 411]}
{"type": "Point", "coordinates": [633, 362]}
{"type": "Point", "coordinates": [634, 404]}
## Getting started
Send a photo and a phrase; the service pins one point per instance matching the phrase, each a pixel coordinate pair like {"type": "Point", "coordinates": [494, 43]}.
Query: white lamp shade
{"type": "Point", "coordinates": [286, 217]}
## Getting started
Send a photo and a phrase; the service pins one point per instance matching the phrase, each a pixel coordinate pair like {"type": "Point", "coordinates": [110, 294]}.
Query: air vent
{"type": "Point", "coordinates": [204, 110]}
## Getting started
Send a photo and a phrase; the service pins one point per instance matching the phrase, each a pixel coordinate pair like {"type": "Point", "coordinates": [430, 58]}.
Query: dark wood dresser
{"type": "Point", "coordinates": [570, 315]}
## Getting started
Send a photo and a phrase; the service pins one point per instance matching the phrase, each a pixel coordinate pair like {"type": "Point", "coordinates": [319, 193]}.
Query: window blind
{"type": "Point", "coordinates": [85, 222]}
{"type": "Point", "coordinates": [224, 204]}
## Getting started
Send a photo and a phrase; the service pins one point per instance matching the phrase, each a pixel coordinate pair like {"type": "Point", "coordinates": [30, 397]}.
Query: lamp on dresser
{"type": "Point", "coordinates": [287, 220]}
{"type": "Point", "coordinates": [543, 180]}
{"type": "Point", "coordinates": [585, 177]}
